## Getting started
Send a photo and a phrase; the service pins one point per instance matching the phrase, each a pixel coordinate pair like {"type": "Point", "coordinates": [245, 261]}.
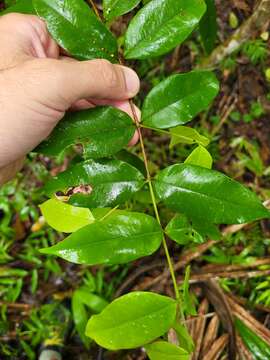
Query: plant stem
{"type": "Point", "coordinates": [93, 5]}
{"type": "Point", "coordinates": [153, 197]}
{"type": "Point", "coordinates": [155, 129]}
{"type": "Point", "coordinates": [149, 180]}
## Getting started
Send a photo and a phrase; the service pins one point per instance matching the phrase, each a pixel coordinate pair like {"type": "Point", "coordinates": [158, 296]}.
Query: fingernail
{"type": "Point", "coordinates": [132, 81]}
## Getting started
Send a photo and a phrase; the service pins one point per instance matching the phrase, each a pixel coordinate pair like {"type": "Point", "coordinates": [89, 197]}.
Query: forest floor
{"type": "Point", "coordinates": [230, 276]}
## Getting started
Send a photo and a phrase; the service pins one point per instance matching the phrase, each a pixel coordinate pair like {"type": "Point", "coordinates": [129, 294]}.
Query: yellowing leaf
{"type": "Point", "coordinates": [200, 157]}
{"type": "Point", "coordinates": [64, 217]}
{"type": "Point", "coordinates": [187, 135]}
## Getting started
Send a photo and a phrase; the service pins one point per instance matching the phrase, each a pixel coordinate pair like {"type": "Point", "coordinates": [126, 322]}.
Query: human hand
{"type": "Point", "coordinates": [38, 85]}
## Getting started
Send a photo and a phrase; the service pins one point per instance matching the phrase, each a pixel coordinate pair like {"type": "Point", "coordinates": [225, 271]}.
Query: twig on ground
{"type": "Point", "coordinates": [217, 348]}
{"type": "Point", "coordinates": [199, 327]}
{"type": "Point", "coordinates": [249, 320]}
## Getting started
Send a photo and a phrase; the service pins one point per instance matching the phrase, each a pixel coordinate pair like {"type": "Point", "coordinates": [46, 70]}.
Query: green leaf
{"type": "Point", "coordinates": [102, 131]}
{"type": "Point", "coordinates": [94, 302]}
{"type": "Point", "coordinates": [118, 239]}
{"type": "Point", "coordinates": [209, 27]}
{"type": "Point", "coordinates": [131, 159]}
{"type": "Point", "coordinates": [80, 315]}
{"type": "Point", "coordinates": [160, 26]}
{"type": "Point", "coordinates": [206, 229]}
{"type": "Point", "coordinates": [64, 217]}
{"type": "Point", "coordinates": [207, 194]}
{"type": "Point", "coordinates": [132, 320]}
{"type": "Point", "coordinates": [201, 157]}
{"type": "Point", "coordinates": [162, 350]}
{"type": "Point", "coordinates": [115, 8]}
{"type": "Point", "coordinates": [77, 29]}
{"type": "Point", "coordinates": [100, 183]}
{"type": "Point", "coordinates": [181, 231]}
{"type": "Point", "coordinates": [82, 300]}
{"type": "Point", "coordinates": [188, 302]}
{"type": "Point", "coordinates": [185, 339]}
{"type": "Point", "coordinates": [259, 348]}
{"type": "Point", "coordinates": [187, 135]}
{"type": "Point", "coordinates": [179, 98]}
{"type": "Point", "coordinates": [21, 6]}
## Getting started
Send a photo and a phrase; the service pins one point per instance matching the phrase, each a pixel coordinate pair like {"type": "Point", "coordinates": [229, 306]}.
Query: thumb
{"type": "Point", "coordinates": [70, 81]}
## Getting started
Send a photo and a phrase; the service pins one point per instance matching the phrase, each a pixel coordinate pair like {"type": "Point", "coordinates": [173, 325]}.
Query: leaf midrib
{"type": "Point", "coordinates": [136, 47]}
{"type": "Point", "coordinates": [106, 130]}
{"type": "Point", "coordinates": [62, 16]}
{"type": "Point", "coordinates": [202, 194]}
{"type": "Point", "coordinates": [137, 319]}
{"type": "Point", "coordinates": [139, 44]}
{"type": "Point", "coordinates": [113, 182]}
{"type": "Point", "coordinates": [135, 236]}
{"type": "Point", "coordinates": [174, 103]}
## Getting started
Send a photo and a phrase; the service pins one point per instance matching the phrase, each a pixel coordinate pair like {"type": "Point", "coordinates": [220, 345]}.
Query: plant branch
{"type": "Point", "coordinates": [95, 9]}
{"type": "Point", "coordinates": [149, 180]}
{"type": "Point", "coordinates": [153, 197]}
{"type": "Point", "coordinates": [257, 21]}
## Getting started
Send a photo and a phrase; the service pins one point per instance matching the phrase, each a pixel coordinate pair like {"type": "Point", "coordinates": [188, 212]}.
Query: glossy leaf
{"type": "Point", "coordinates": [162, 350]}
{"type": "Point", "coordinates": [118, 239]}
{"type": "Point", "coordinates": [181, 231]}
{"type": "Point", "coordinates": [207, 194]}
{"type": "Point", "coordinates": [115, 8]}
{"type": "Point", "coordinates": [206, 229]}
{"type": "Point", "coordinates": [21, 6]}
{"type": "Point", "coordinates": [208, 26]}
{"type": "Point", "coordinates": [64, 217]}
{"type": "Point", "coordinates": [97, 183]}
{"type": "Point", "coordinates": [259, 348]}
{"type": "Point", "coordinates": [160, 26]}
{"type": "Point", "coordinates": [131, 159]}
{"type": "Point", "coordinates": [179, 98]}
{"type": "Point", "coordinates": [187, 135]}
{"type": "Point", "coordinates": [201, 157]}
{"type": "Point", "coordinates": [77, 29]}
{"type": "Point", "coordinates": [132, 320]}
{"type": "Point", "coordinates": [102, 131]}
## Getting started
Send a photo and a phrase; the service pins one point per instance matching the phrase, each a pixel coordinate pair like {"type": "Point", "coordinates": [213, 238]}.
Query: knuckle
{"type": "Point", "coordinates": [109, 74]}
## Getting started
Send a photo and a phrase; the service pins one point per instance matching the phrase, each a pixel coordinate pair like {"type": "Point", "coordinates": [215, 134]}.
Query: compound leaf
{"type": "Point", "coordinates": [120, 238]}
{"type": "Point", "coordinates": [100, 183]}
{"type": "Point", "coordinates": [115, 8]}
{"type": "Point", "coordinates": [160, 26]}
{"type": "Point", "coordinates": [207, 194]}
{"type": "Point", "coordinates": [64, 217]}
{"type": "Point", "coordinates": [179, 98]}
{"type": "Point", "coordinates": [132, 320]}
{"type": "Point", "coordinates": [77, 29]}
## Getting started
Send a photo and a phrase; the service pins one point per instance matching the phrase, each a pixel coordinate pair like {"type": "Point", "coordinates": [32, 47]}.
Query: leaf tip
{"type": "Point", "coordinates": [46, 251]}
